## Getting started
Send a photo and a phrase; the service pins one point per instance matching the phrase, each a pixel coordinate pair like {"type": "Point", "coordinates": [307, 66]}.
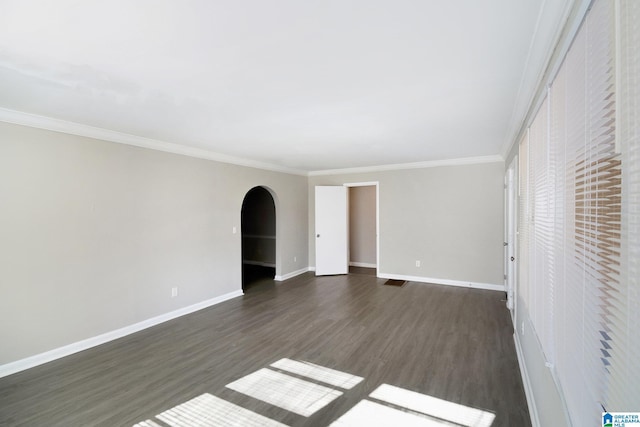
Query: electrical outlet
{"type": "Point", "coordinates": [234, 230]}
{"type": "Point", "coordinates": [417, 263]}
{"type": "Point", "coordinates": [295, 259]}
{"type": "Point", "coordinates": [174, 292]}
{"type": "Point", "coordinates": [522, 328]}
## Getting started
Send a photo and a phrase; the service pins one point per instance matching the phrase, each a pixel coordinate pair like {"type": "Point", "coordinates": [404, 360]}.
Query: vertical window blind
{"type": "Point", "coordinates": [624, 389]}
{"type": "Point", "coordinates": [579, 224]}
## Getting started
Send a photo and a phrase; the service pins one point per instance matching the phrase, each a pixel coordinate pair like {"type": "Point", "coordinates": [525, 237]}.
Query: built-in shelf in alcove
{"type": "Point", "coordinates": [259, 250]}
{"type": "Point", "coordinates": [258, 236]}
{"type": "Point", "coordinates": [259, 263]}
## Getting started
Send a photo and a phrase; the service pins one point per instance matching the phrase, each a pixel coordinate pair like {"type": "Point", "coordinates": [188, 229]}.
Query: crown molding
{"type": "Point", "coordinates": [528, 101]}
{"type": "Point", "coordinates": [414, 165]}
{"type": "Point", "coordinates": [72, 128]}
{"type": "Point", "coordinates": [57, 125]}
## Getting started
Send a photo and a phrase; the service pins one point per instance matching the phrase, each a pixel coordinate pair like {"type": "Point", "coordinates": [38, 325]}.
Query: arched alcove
{"type": "Point", "coordinates": [258, 228]}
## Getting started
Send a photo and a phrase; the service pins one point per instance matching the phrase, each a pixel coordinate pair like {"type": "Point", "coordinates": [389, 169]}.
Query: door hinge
{"type": "Point", "coordinates": [505, 244]}
{"type": "Point", "coordinates": [505, 277]}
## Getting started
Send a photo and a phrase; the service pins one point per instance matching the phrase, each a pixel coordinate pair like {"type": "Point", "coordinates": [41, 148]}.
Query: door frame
{"type": "Point", "coordinates": [511, 234]}
{"type": "Point", "coordinates": [377, 185]}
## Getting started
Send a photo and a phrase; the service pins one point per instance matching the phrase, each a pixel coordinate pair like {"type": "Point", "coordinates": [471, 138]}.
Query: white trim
{"type": "Point", "coordinates": [362, 264]}
{"type": "Point", "coordinates": [447, 282]}
{"type": "Point", "coordinates": [312, 268]}
{"type": "Point", "coordinates": [378, 262]}
{"type": "Point", "coordinates": [72, 128]}
{"type": "Point", "coordinates": [526, 382]}
{"type": "Point", "coordinates": [57, 353]}
{"type": "Point", "coordinates": [377, 185]}
{"type": "Point", "coordinates": [288, 276]}
{"type": "Point", "coordinates": [512, 186]}
{"type": "Point", "coordinates": [57, 125]}
{"type": "Point", "coordinates": [360, 184]}
{"type": "Point", "coordinates": [415, 165]}
{"type": "Point", "coordinates": [534, 81]}
{"type": "Point", "coordinates": [574, 14]}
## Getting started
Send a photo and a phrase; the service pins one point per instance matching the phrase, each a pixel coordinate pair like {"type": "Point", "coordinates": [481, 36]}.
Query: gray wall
{"type": "Point", "coordinates": [362, 224]}
{"type": "Point", "coordinates": [93, 235]}
{"type": "Point", "coordinates": [448, 217]}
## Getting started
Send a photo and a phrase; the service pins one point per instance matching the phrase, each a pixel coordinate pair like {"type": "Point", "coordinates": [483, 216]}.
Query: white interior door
{"type": "Point", "coordinates": [332, 230]}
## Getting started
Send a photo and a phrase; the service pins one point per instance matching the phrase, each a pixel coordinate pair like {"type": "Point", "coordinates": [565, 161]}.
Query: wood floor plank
{"type": "Point", "coordinates": [450, 343]}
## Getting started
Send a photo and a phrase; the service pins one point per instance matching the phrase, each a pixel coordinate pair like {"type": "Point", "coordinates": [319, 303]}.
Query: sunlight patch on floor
{"type": "Point", "coordinates": [432, 406]}
{"type": "Point", "coordinates": [387, 405]}
{"type": "Point", "coordinates": [287, 392]}
{"type": "Point", "coordinates": [207, 410]}
{"type": "Point", "coordinates": [318, 373]}
{"type": "Point", "coordinates": [372, 414]}
{"type": "Point", "coordinates": [147, 423]}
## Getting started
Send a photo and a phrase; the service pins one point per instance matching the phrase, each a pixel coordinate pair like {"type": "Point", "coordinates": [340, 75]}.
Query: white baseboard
{"type": "Point", "coordinates": [291, 275]}
{"type": "Point", "coordinates": [362, 264]}
{"type": "Point", "coordinates": [312, 268]}
{"type": "Point", "coordinates": [57, 353]}
{"type": "Point", "coordinates": [475, 285]}
{"type": "Point", "coordinates": [526, 382]}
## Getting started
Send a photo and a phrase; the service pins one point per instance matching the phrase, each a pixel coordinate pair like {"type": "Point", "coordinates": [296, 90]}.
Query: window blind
{"type": "Point", "coordinates": [541, 252]}
{"type": "Point", "coordinates": [593, 192]}
{"type": "Point", "coordinates": [579, 221]}
{"type": "Point", "coordinates": [624, 319]}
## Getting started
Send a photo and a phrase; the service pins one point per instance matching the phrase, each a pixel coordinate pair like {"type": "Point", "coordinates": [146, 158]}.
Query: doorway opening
{"type": "Point", "coordinates": [258, 228]}
{"type": "Point", "coordinates": [363, 253]}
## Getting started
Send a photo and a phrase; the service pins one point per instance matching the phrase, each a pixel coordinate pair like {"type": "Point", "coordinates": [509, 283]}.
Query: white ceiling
{"type": "Point", "coordinates": [300, 84]}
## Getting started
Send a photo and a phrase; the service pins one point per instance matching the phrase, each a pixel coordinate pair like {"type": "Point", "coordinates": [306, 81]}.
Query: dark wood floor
{"type": "Point", "coordinates": [451, 343]}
